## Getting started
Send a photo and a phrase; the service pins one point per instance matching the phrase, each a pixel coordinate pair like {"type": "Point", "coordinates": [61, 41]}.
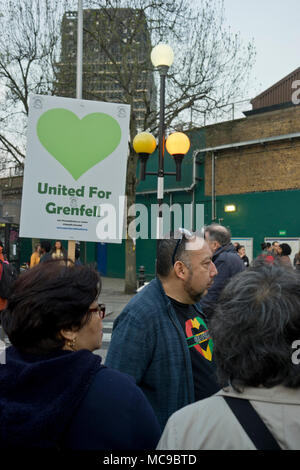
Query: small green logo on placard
{"type": "Point", "coordinates": [78, 144]}
{"type": "Point", "coordinates": [282, 233]}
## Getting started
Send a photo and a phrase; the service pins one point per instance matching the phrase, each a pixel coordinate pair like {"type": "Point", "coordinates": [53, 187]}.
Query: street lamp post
{"type": "Point", "coordinates": [162, 57]}
{"type": "Point", "coordinates": [177, 144]}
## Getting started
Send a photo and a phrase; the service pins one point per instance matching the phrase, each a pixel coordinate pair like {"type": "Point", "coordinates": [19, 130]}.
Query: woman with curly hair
{"type": "Point", "coordinates": [285, 254]}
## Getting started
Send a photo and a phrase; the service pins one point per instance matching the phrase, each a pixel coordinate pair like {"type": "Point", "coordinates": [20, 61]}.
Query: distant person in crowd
{"type": "Point", "coordinates": [242, 255]}
{"type": "Point", "coordinates": [226, 260]}
{"type": "Point", "coordinates": [276, 250]}
{"type": "Point", "coordinates": [161, 337]}
{"type": "Point", "coordinates": [77, 257]}
{"type": "Point", "coordinates": [35, 257]}
{"type": "Point", "coordinates": [236, 246]}
{"type": "Point", "coordinates": [267, 253]}
{"type": "Point", "coordinates": [3, 303]}
{"type": "Point", "coordinates": [55, 393]}
{"type": "Point", "coordinates": [2, 259]}
{"type": "Point", "coordinates": [45, 251]}
{"type": "Point", "coordinates": [254, 329]}
{"type": "Point", "coordinates": [263, 246]}
{"type": "Point", "coordinates": [266, 247]}
{"type": "Point", "coordinates": [3, 256]}
{"type": "Point", "coordinates": [58, 251]}
{"type": "Point", "coordinates": [296, 261]}
{"type": "Point", "coordinates": [8, 275]}
{"type": "Point", "coordinates": [285, 254]}
{"type": "Point", "coordinates": [269, 247]}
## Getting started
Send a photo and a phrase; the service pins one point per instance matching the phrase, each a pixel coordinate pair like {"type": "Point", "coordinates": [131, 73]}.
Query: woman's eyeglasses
{"type": "Point", "coordinates": [100, 310]}
{"type": "Point", "coordinates": [184, 234]}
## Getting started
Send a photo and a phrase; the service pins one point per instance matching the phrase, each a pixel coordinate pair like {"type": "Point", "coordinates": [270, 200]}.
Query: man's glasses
{"type": "Point", "coordinates": [184, 234]}
{"type": "Point", "coordinates": [100, 310]}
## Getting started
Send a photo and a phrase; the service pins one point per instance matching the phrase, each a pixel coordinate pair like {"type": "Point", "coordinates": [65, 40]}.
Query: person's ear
{"type": "Point", "coordinates": [181, 270]}
{"type": "Point", "coordinates": [216, 245]}
{"type": "Point", "coordinates": [68, 335]}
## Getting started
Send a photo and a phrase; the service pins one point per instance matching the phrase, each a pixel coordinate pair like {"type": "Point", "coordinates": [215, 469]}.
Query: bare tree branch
{"type": "Point", "coordinates": [210, 70]}
{"type": "Point", "coordinates": [29, 41]}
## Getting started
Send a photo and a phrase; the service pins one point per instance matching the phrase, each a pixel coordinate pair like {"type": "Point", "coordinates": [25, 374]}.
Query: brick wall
{"type": "Point", "coordinates": [270, 167]}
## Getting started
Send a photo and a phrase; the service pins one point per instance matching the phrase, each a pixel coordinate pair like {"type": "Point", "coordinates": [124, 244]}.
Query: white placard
{"type": "Point", "coordinates": [75, 170]}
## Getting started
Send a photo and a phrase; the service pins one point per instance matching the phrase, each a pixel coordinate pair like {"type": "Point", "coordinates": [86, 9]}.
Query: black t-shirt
{"type": "Point", "coordinates": [245, 260]}
{"type": "Point", "coordinates": [201, 349]}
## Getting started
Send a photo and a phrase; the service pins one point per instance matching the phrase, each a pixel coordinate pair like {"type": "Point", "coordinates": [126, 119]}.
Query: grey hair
{"type": "Point", "coordinates": [254, 326]}
{"type": "Point", "coordinates": [218, 233]}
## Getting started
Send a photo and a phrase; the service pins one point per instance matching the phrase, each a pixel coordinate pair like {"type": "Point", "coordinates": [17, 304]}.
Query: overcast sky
{"type": "Point", "coordinates": [275, 27]}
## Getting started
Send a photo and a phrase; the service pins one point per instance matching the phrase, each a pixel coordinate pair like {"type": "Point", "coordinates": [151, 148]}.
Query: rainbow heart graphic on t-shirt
{"type": "Point", "coordinates": [202, 338]}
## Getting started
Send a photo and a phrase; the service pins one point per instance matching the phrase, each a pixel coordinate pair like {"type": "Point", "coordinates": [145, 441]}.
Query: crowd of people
{"type": "Point", "coordinates": [271, 251]}
{"type": "Point", "coordinates": [44, 251]}
{"type": "Point", "coordinates": [281, 252]}
{"type": "Point", "coordinates": [203, 357]}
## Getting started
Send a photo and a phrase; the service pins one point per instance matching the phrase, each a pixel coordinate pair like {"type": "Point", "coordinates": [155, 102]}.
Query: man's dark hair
{"type": "Point", "coordinates": [166, 247]}
{"type": "Point", "coordinates": [46, 246]}
{"type": "Point", "coordinates": [46, 299]}
{"type": "Point", "coordinates": [254, 326]}
{"type": "Point", "coordinates": [264, 246]}
{"type": "Point", "coordinates": [218, 233]}
{"type": "Point", "coordinates": [286, 249]}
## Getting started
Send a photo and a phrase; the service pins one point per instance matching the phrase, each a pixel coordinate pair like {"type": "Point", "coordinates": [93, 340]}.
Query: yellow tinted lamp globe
{"type": "Point", "coordinates": [144, 143]}
{"type": "Point", "coordinates": [178, 144]}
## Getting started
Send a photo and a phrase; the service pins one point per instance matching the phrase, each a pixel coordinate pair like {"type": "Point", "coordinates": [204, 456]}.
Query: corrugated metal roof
{"type": "Point", "coordinates": [280, 92]}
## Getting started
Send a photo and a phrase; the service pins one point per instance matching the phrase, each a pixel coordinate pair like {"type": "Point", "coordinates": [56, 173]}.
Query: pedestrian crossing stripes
{"type": "Point", "coordinates": [107, 327]}
{"type": "Point", "coordinates": [106, 337]}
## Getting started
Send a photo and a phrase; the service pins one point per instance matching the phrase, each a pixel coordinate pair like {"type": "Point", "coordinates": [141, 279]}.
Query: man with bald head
{"type": "Point", "coordinates": [226, 260]}
{"type": "Point", "coordinates": [161, 337]}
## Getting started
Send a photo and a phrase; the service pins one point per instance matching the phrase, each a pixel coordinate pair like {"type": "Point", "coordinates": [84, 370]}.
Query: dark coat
{"type": "Point", "coordinates": [114, 415]}
{"type": "Point", "coordinates": [245, 260]}
{"type": "Point", "coordinates": [228, 263]}
{"type": "Point", "coordinates": [68, 400]}
{"type": "Point", "coordinates": [45, 257]}
{"type": "Point", "coordinates": [149, 344]}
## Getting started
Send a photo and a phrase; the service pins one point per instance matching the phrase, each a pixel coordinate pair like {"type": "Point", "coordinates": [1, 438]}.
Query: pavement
{"type": "Point", "coordinates": [112, 295]}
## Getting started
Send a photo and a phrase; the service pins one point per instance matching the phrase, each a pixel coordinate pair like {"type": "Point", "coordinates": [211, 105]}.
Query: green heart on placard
{"type": "Point", "coordinates": [78, 144]}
